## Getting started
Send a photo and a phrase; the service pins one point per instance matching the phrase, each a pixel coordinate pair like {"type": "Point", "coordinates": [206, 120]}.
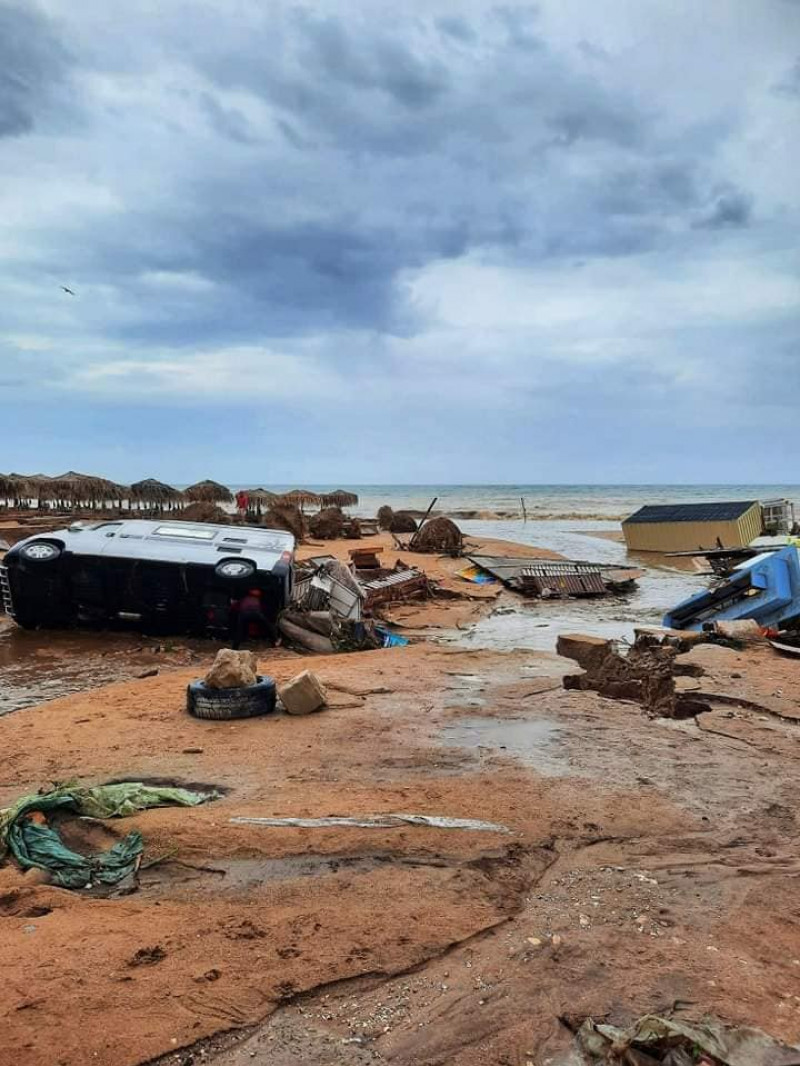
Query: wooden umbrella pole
{"type": "Point", "coordinates": [413, 540]}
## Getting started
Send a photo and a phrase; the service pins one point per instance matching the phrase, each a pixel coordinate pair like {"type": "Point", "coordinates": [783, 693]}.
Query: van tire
{"type": "Point", "coordinates": [224, 704]}
{"type": "Point", "coordinates": [235, 570]}
{"type": "Point", "coordinates": [41, 552]}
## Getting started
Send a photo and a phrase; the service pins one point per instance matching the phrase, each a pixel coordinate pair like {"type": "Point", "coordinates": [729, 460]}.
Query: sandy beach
{"type": "Point", "coordinates": [637, 861]}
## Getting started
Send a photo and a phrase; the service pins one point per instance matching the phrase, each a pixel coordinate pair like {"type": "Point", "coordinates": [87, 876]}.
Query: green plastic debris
{"type": "Point", "coordinates": [36, 845]}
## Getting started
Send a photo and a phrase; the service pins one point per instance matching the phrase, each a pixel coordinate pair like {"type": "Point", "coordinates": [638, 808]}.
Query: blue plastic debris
{"type": "Point", "coordinates": [389, 639]}
{"type": "Point", "coordinates": [765, 588]}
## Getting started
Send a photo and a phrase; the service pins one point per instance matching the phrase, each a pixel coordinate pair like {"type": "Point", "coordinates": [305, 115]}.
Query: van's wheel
{"type": "Point", "coordinates": [222, 704]}
{"type": "Point", "coordinates": [41, 551]}
{"type": "Point", "coordinates": [234, 569]}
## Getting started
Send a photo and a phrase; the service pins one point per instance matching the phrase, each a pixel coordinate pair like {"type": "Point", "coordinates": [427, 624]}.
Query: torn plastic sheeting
{"type": "Point", "coordinates": [725, 1045]}
{"type": "Point", "coordinates": [37, 845]}
{"type": "Point", "coordinates": [377, 821]}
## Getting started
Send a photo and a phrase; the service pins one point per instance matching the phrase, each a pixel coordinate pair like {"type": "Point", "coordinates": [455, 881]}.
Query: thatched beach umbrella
{"type": "Point", "coordinates": [14, 487]}
{"type": "Point", "coordinates": [74, 488]}
{"type": "Point", "coordinates": [208, 492]}
{"type": "Point", "coordinates": [261, 495]}
{"type": "Point", "coordinates": [301, 497]}
{"type": "Point", "coordinates": [339, 498]}
{"type": "Point", "coordinates": [154, 493]}
{"type": "Point", "coordinates": [35, 486]}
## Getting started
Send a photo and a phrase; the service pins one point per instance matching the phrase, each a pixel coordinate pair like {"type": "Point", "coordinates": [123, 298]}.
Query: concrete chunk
{"type": "Point", "coordinates": [583, 648]}
{"type": "Point", "coordinates": [304, 694]}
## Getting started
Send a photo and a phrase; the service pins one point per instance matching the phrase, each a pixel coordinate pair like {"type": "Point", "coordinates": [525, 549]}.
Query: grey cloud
{"type": "Point", "coordinates": [732, 208]}
{"type": "Point", "coordinates": [227, 121]}
{"type": "Point", "coordinates": [456, 27]}
{"type": "Point", "coordinates": [32, 67]}
{"type": "Point", "coordinates": [789, 84]}
{"type": "Point", "coordinates": [519, 22]}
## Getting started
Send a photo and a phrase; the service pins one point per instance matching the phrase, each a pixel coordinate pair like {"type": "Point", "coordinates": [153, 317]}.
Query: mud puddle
{"type": "Point", "coordinates": [45, 665]}
{"type": "Point", "coordinates": [243, 877]}
{"type": "Point", "coordinates": [534, 741]}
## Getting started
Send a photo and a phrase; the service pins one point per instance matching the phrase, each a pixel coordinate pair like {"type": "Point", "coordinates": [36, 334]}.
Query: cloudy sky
{"type": "Point", "coordinates": [418, 242]}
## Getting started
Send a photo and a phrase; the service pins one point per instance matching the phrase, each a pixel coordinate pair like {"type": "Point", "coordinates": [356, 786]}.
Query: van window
{"type": "Point", "coordinates": [185, 533]}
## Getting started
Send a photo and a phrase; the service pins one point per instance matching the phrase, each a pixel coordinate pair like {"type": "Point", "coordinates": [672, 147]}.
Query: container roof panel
{"type": "Point", "coordinates": [691, 512]}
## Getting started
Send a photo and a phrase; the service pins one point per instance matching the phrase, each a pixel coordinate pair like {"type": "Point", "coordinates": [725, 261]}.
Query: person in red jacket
{"type": "Point", "coordinates": [248, 614]}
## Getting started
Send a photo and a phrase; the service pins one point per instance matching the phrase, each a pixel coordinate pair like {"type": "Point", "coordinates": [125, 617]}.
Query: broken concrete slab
{"type": "Point", "coordinates": [646, 675]}
{"type": "Point", "coordinates": [304, 694]}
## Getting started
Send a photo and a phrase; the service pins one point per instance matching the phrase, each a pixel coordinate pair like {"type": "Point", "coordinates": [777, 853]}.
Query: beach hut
{"type": "Point", "coordinates": [301, 498]}
{"type": "Point", "coordinates": [339, 498]}
{"type": "Point", "coordinates": [155, 494]}
{"type": "Point", "coordinates": [209, 492]}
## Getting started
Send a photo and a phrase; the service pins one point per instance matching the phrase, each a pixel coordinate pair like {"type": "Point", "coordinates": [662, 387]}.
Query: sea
{"type": "Point", "coordinates": [611, 502]}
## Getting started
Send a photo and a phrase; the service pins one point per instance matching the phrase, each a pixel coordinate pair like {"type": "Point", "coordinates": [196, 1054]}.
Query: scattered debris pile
{"type": "Point", "coordinates": [328, 524]}
{"type": "Point", "coordinates": [334, 605]}
{"type": "Point", "coordinates": [205, 511]}
{"type": "Point", "coordinates": [765, 588]}
{"type": "Point", "coordinates": [548, 579]}
{"type": "Point", "coordinates": [403, 522]}
{"type": "Point", "coordinates": [438, 535]}
{"type": "Point", "coordinates": [29, 830]}
{"type": "Point", "coordinates": [283, 515]}
{"type": "Point", "coordinates": [654, 1040]}
{"type": "Point", "coordinates": [646, 675]}
{"type": "Point", "coordinates": [385, 516]}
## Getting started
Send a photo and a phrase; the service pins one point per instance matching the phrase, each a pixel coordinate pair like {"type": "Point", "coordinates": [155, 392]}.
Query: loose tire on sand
{"type": "Point", "coordinates": [223, 704]}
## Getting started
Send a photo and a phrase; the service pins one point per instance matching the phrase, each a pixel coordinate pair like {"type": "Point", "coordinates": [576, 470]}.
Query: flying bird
{"type": "Point", "coordinates": [68, 291]}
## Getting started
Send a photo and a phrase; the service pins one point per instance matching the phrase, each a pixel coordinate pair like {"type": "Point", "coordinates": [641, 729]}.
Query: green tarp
{"type": "Point", "coordinates": [35, 845]}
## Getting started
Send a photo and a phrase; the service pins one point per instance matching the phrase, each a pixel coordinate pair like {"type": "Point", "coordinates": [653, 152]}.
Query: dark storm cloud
{"type": "Point", "coordinates": [32, 67]}
{"type": "Point", "coordinates": [344, 187]}
{"type": "Point", "coordinates": [405, 145]}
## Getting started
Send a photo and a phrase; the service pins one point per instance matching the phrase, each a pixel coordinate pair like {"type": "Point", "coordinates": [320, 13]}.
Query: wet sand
{"type": "Point", "coordinates": [646, 861]}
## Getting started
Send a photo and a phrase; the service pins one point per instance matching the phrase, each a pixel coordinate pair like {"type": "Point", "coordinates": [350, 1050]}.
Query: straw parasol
{"type": "Point", "coordinates": [14, 487]}
{"type": "Point", "coordinates": [261, 495]}
{"type": "Point", "coordinates": [81, 488]}
{"type": "Point", "coordinates": [339, 498]}
{"type": "Point", "coordinates": [208, 492]}
{"type": "Point", "coordinates": [301, 497]}
{"type": "Point", "coordinates": [154, 493]}
{"type": "Point", "coordinates": [33, 485]}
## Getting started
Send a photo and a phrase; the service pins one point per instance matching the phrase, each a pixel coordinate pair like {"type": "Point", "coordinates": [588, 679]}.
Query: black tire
{"type": "Point", "coordinates": [41, 552]}
{"type": "Point", "coordinates": [234, 569]}
{"type": "Point", "coordinates": [223, 704]}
